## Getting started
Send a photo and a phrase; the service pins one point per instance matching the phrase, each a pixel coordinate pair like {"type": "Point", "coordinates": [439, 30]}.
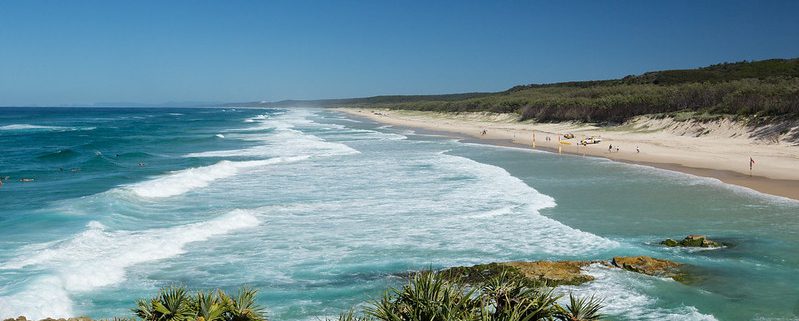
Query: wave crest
{"type": "Point", "coordinates": [183, 181]}
{"type": "Point", "coordinates": [97, 258]}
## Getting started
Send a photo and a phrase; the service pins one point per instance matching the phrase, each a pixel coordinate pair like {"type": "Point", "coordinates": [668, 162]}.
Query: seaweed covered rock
{"type": "Point", "coordinates": [650, 266]}
{"type": "Point", "coordinates": [554, 272]}
{"type": "Point", "coordinates": [692, 241]}
{"type": "Point", "coordinates": [550, 273]}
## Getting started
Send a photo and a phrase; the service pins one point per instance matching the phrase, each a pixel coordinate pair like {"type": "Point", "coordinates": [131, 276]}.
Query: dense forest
{"type": "Point", "coordinates": [750, 90]}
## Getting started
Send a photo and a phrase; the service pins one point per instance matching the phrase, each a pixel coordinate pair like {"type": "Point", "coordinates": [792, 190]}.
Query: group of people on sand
{"type": "Point", "coordinates": [611, 149]}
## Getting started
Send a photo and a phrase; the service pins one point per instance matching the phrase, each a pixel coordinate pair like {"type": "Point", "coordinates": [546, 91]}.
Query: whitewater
{"type": "Point", "coordinates": [322, 212]}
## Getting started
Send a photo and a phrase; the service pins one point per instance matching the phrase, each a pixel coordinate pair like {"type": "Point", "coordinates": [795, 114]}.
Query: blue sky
{"type": "Point", "coordinates": [73, 52]}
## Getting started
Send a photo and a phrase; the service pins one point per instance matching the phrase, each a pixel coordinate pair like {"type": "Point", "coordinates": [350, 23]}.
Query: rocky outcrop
{"type": "Point", "coordinates": [650, 266]}
{"type": "Point", "coordinates": [550, 273]}
{"type": "Point", "coordinates": [693, 241]}
{"type": "Point", "coordinates": [555, 273]}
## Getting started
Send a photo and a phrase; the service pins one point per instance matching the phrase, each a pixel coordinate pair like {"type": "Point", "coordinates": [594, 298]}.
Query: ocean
{"type": "Point", "coordinates": [321, 212]}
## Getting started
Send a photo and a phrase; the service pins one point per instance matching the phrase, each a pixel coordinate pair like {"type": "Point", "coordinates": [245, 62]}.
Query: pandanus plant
{"type": "Point", "coordinates": [174, 304]}
{"type": "Point", "coordinates": [209, 307]}
{"type": "Point", "coordinates": [242, 306]}
{"type": "Point", "coordinates": [171, 304]}
{"type": "Point", "coordinates": [581, 309]}
{"type": "Point", "coordinates": [430, 297]}
{"type": "Point", "coordinates": [508, 297]}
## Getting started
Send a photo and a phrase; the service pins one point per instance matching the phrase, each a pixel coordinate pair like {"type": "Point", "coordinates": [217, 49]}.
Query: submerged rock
{"type": "Point", "coordinates": [693, 241]}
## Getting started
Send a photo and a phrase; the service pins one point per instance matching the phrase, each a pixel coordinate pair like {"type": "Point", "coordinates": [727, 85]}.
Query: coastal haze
{"type": "Point", "coordinates": [635, 159]}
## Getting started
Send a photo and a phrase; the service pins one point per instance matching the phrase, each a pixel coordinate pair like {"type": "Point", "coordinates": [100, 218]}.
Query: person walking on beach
{"type": "Point", "coordinates": [610, 148]}
{"type": "Point", "coordinates": [637, 150]}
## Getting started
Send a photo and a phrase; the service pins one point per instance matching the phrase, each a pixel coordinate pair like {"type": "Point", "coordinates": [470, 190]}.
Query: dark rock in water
{"type": "Point", "coordinates": [693, 241]}
{"type": "Point", "coordinates": [650, 266]}
{"type": "Point", "coordinates": [670, 243]}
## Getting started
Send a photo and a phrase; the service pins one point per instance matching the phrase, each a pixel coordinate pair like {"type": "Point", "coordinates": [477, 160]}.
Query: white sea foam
{"type": "Point", "coordinates": [620, 294]}
{"type": "Point", "coordinates": [29, 127]}
{"type": "Point", "coordinates": [256, 118]}
{"type": "Point", "coordinates": [348, 134]}
{"type": "Point", "coordinates": [182, 181]}
{"type": "Point", "coordinates": [44, 297]}
{"type": "Point", "coordinates": [283, 142]}
{"type": "Point", "coordinates": [496, 194]}
{"type": "Point", "coordinates": [97, 258]}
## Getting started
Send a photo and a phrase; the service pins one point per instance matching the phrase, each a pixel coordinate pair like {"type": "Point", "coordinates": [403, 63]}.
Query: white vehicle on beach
{"type": "Point", "coordinates": [591, 140]}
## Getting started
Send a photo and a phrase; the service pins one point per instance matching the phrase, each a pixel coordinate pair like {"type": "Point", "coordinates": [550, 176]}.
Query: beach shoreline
{"type": "Point", "coordinates": [694, 155]}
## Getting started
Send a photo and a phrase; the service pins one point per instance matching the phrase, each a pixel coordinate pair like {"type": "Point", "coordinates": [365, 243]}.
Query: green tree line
{"type": "Point", "coordinates": [768, 88]}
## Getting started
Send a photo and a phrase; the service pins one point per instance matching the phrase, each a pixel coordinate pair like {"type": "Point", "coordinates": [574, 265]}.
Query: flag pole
{"type": "Point", "coordinates": [533, 138]}
{"type": "Point", "coordinates": [559, 145]}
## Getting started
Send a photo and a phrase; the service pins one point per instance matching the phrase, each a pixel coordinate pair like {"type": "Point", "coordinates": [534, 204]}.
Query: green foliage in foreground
{"type": "Point", "coordinates": [176, 304]}
{"type": "Point", "coordinates": [427, 296]}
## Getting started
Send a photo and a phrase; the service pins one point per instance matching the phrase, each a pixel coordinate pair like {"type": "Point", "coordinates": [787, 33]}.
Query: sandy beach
{"type": "Point", "coordinates": [718, 149]}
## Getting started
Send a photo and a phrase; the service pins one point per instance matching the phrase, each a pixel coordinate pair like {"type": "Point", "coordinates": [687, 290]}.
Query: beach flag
{"type": "Point", "coordinates": [533, 139]}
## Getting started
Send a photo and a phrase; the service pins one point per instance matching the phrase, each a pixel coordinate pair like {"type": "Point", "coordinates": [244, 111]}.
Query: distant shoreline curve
{"type": "Point", "coordinates": [787, 188]}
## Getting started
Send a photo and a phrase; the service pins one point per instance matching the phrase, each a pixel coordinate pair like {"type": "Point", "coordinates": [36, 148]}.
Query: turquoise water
{"type": "Point", "coordinates": [322, 212]}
